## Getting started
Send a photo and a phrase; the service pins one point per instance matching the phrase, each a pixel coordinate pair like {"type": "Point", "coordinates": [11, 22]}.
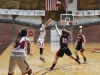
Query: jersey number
{"type": "Point", "coordinates": [78, 39]}
{"type": "Point", "coordinates": [64, 40]}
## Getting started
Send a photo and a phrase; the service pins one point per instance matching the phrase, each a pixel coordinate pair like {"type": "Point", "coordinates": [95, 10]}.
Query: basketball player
{"type": "Point", "coordinates": [18, 55]}
{"type": "Point", "coordinates": [80, 45]}
{"type": "Point", "coordinates": [63, 47]}
{"type": "Point", "coordinates": [42, 38]}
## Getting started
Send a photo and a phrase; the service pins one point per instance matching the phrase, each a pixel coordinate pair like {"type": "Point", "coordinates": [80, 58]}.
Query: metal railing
{"type": "Point", "coordinates": [36, 25]}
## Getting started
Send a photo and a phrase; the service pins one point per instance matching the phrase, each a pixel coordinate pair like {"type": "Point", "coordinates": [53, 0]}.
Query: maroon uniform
{"type": "Point", "coordinates": [79, 43]}
{"type": "Point", "coordinates": [64, 46]}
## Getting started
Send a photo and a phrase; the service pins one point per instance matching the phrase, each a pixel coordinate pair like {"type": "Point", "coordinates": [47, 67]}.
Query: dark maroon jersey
{"type": "Point", "coordinates": [80, 40]}
{"type": "Point", "coordinates": [64, 40]}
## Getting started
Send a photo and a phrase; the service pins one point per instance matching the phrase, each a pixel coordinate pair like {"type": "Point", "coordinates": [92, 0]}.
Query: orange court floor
{"type": "Point", "coordinates": [65, 65]}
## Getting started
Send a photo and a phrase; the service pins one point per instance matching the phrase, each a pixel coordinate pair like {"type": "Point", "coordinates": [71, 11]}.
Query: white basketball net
{"type": "Point", "coordinates": [67, 23]}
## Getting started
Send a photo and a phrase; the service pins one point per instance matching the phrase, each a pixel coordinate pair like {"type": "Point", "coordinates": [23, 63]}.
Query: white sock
{"type": "Point", "coordinates": [41, 56]}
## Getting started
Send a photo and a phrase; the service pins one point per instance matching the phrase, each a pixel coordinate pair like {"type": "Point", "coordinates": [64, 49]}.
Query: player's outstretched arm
{"type": "Point", "coordinates": [69, 33]}
{"type": "Point", "coordinates": [59, 34]}
{"type": "Point", "coordinates": [47, 23]}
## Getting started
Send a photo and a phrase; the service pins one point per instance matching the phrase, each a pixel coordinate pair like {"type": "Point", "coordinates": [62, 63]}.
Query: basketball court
{"type": "Point", "coordinates": [72, 19]}
{"type": "Point", "coordinates": [65, 65]}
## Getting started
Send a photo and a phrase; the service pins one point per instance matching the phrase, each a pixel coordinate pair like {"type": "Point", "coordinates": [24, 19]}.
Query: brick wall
{"type": "Point", "coordinates": [6, 32]}
{"type": "Point", "coordinates": [92, 33]}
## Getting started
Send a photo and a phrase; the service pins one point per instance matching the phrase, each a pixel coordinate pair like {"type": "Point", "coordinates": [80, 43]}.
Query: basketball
{"type": "Point", "coordinates": [58, 4]}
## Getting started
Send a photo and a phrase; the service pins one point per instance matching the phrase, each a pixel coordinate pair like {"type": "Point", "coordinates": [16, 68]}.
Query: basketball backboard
{"type": "Point", "coordinates": [66, 18]}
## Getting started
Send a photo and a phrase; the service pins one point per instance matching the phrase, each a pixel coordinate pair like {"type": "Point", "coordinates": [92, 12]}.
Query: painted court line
{"type": "Point", "coordinates": [53, 58]}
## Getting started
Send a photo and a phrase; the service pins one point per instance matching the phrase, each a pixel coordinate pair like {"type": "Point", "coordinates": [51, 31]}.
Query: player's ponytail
{"type": "Point", "coordinates": [69, 33]}
{"type": "Point", "coordinates": [18, 38]}
{"type": "Point", "coordinates": [64, 31]}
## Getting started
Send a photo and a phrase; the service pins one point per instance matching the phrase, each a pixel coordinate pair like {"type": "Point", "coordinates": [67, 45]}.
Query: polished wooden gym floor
{"type": "Point", "coordinates": [65, 65]}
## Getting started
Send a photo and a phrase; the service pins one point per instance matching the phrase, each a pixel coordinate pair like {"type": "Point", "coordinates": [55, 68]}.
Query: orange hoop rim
{"type": "Point", "coordinates": [65, 22]}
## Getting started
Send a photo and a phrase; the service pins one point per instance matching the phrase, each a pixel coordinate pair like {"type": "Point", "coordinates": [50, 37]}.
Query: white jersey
{"type": "Point", "coordinates": [42, 33]}
{"type": "Point", "coordinates": [21, 47]}
{"type": "Point", "coordinates": [19, 57]}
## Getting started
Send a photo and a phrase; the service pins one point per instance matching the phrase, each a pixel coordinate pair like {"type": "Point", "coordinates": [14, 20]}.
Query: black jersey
{"type": "Point", "coordinates": [80, 40]}
{"type": "Point", "coordinates": [64, 40]}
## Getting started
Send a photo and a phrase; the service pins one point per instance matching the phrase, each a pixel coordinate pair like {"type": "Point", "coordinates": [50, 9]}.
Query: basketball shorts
{"type": "Point", "coordinates": [79, 48]}
{"type": "Point", "coordinates": [40, 43]}
{"type": "Point", "coordinates": [19, 60]}
{"type": "Point", "coordinates": [62, 51]}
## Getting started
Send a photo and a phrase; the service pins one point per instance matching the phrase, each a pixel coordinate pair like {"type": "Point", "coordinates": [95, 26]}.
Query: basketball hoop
{"type": "Point", "coordinates": [67, 19]}
{"type": "Point", "coordinates": [66, 22]}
